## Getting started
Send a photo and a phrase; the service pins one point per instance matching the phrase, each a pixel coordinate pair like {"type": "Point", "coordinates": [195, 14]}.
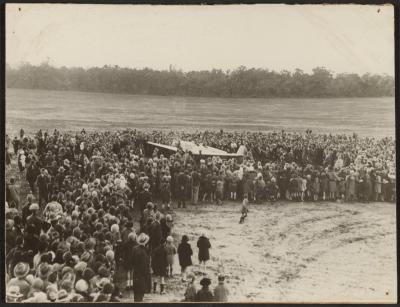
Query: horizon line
{"type": "Point", "coordinates": [174, 67]}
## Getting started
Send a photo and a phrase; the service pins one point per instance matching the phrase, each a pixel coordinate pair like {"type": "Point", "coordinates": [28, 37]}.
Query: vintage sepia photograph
{"type": "Point", "coordinates": [200, 153]}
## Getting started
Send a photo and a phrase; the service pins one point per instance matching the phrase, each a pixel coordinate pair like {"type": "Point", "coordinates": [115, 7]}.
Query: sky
{"type": "Point", "coordinates": [342, 38]}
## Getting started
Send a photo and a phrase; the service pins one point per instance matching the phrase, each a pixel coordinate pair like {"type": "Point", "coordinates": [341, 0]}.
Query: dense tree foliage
{"type": "Point", "coordinates": [241, 82]}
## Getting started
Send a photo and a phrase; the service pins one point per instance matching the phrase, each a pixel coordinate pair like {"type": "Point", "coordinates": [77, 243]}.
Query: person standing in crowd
{"type": "Point", "coordinates": [333, 178]}
{"type": "Point", "coordinates": [191, 291]}
{"type": "Point", "coordinates": [42, 182]}
{"type": "Point", "coordinates": [144, 197]}
{"type": "Point", "coordinates": [32, 173]}
{"type": "Point", "coordinates": [204, 294]}
{"type": "Point", "coordinates": [221, 292]}
{"type": "Point", "coordinates": [195, 186]}
{"type": "Point", "coordinates": [182, 183]}
{"type": "Point", "coordinates": [171, 252]}
{"type": "Point", "coordinates": [128, 259]}
{"type": "Point", "coordinates": [141, 268]}
{"type": "Point", "coordinates": [155, 232]}
{"type": "Point", "coordinates": [159, 264]}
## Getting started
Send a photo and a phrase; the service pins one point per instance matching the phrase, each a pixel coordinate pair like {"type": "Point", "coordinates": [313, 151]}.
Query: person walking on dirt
{"type": "Point", "coordinates": [244, 210]}
{"type": "Point", "coordinates": [203, 243]}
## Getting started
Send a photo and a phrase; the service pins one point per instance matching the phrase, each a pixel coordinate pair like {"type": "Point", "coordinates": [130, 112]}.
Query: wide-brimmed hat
{"type": "Point", "coordinates": [142, 239]}
{"type": "Point", "coordinates": [205, 282]}
{"type": "Point", "coordinates": [21, 270]}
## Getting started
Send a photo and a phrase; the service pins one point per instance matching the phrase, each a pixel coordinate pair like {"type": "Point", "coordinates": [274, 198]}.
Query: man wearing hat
{"type": "Point", "coordinates": [141, 268]}
{"type": "Point", "coordinates": [21, 271]}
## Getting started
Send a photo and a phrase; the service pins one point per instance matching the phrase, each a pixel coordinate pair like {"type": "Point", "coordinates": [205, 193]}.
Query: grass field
{"type": "Point", "coordinates": [35, 109]}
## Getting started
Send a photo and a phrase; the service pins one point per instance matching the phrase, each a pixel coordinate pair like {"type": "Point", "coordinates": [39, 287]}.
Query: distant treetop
{"type": "Point", "coordinates": [239, 83]}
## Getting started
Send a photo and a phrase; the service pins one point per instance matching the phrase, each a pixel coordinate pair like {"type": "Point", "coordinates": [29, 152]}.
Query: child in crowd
{"type": "Point", "coordinates": [171, 251]}
{"type": "Point", "coordinates": [190, 293]}
{"type": "Point", "coordinates": [185, 255]}
{"type": "Point", "coordinates": [221, 292]}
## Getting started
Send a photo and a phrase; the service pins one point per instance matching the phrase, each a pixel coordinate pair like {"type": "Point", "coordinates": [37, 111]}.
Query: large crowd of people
{"type": "Point", "coordinates": [76, 228]}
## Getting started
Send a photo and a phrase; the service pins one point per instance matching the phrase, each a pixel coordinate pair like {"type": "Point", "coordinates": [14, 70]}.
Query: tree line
{"type": "Point", "coordinates": [241, 82]}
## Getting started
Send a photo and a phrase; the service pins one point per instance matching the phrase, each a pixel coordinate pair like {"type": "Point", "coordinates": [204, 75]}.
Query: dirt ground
{"type": "Point", "coordinates": [295, 252]}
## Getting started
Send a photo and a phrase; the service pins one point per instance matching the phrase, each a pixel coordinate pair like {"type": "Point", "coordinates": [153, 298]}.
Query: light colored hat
{"type": "Point", "coordinates": [110, 255]}
{"type": "Point", "coordinates": [114, 228]}
{"type": "Point", "coordinates": [132, 236]}
{"type": "Point", "coordinates": [34, 207]}
{"type": "Point", "coordinates": [168, 217]}
{"type": "Point", "coordinates": [142, 239]}
{"type": "Point", "coordinates": [170, 239]}
{"type": "Point", "coordinates": [81, 285]}
{"type": "Point", "coordinates": [21, 269]}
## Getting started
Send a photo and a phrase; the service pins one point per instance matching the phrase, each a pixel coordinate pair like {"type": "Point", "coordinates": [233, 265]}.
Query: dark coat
{"type": "Point", "coordinates": [204, 295]}
{"type": "Point", "coordinates": [159, 261]}
{"type": "Point", "coordinates": [165, 229]}
{"type": "Point", "coordinates": [155, 234]}
{"type": "Point", "coordinates": [143, 198]}
{"type": "Point", "coordinates": [141, 268]}
{"type": "Point", "coordinates": [127, 250]}
{"type": "Point", "coordinates": [185, 254]}
{"type": "Point", "coordinates": [204, 245]}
